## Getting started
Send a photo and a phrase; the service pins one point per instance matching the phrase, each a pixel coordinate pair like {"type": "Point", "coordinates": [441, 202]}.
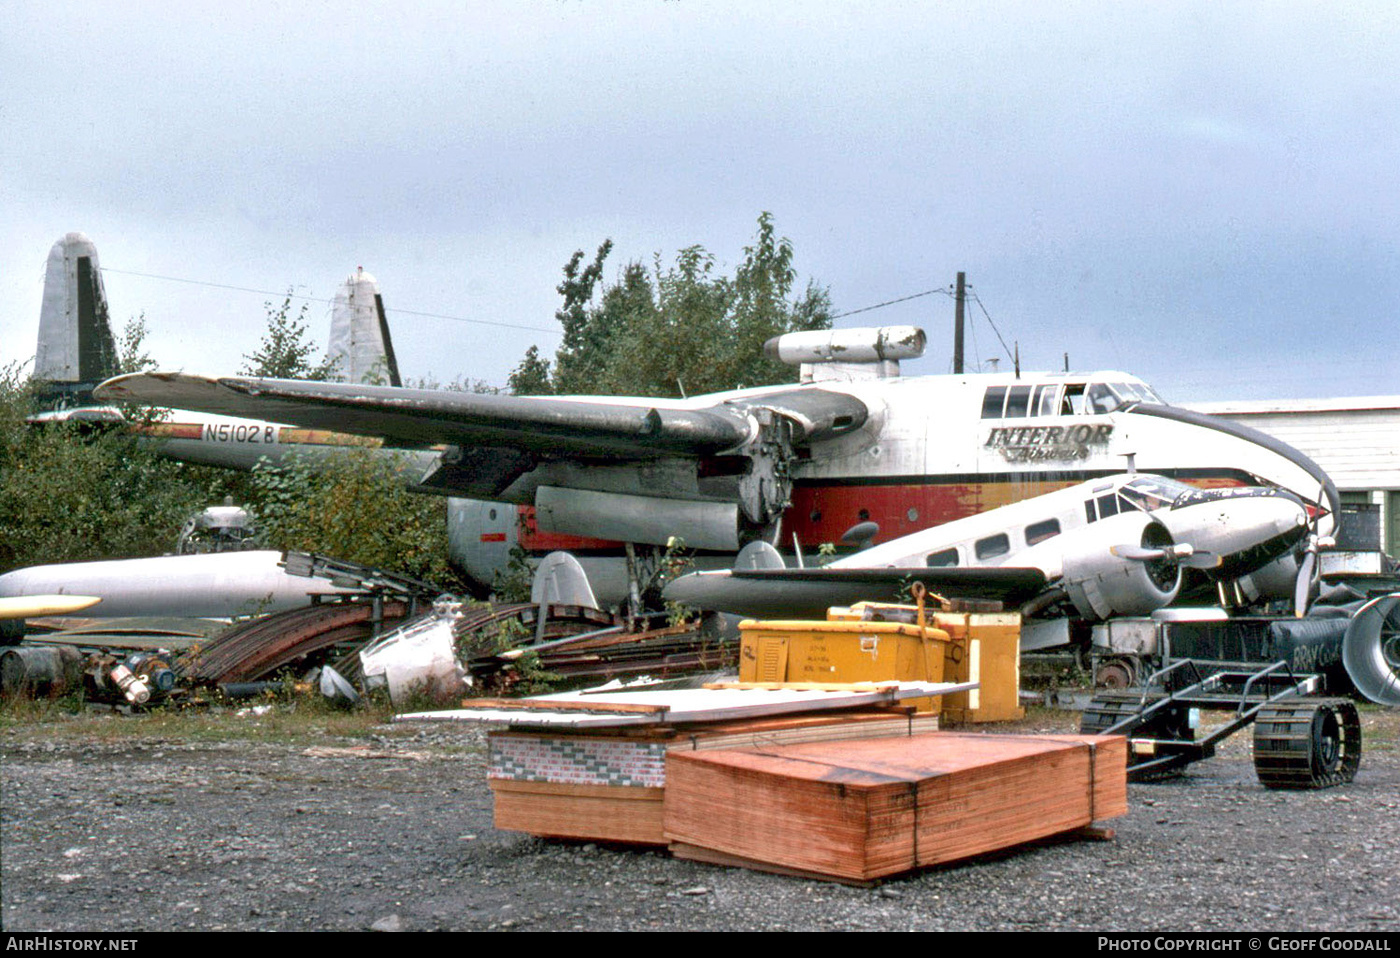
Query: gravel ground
{"type": "Point", "coordinates": [137, 833]}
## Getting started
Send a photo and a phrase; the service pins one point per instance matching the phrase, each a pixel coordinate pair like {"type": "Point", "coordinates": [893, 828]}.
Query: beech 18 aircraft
{"type": "Point", "coordinates": [1106, 547]}
{"type": "Point", "coordinates": [798, 464]}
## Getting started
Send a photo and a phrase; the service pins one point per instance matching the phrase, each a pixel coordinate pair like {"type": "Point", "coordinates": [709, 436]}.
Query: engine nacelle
{"type": "Point", "coordinates": [847, 345]}
{"type": "Point", "coordinates": [627, 518]}
{"type": "Point", "coordinates": [1101, 584]}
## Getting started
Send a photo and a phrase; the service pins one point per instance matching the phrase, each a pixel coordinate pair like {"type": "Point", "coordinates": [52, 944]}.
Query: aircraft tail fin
{"type": "Point", "coordinates": [359, 340]}
{"type": "Point", "coordinates": [76, 348]}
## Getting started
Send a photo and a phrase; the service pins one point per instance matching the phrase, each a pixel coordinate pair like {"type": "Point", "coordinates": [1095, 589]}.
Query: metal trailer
{"type": "Point", "coordinates": [1300, 741]}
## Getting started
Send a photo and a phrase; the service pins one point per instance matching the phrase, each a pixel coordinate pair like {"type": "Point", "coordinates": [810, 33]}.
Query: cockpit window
{"type": "Point", "coordinates": [1101, 400]}
{"type": "Point", "coordinates": [1017, 401]}
{"type": "Point", "coordinates": [1148, 493]}
{"type": "Point", "coordinates": [993, 401]}
{"type": "Point", "coordinates": [1073, 402]}
{"type": "Point", "coordinates": [1104, 398]}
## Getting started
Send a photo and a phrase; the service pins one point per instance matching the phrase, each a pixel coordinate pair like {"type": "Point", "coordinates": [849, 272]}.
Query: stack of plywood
{"type": "Point", "coordinates": [607, 784]}
{"type": "Point", "coordinates": [861, 810]}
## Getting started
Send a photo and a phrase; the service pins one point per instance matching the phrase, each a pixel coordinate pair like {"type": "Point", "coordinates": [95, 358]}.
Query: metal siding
{"type": "Point", "coordinates": [1359, 449]}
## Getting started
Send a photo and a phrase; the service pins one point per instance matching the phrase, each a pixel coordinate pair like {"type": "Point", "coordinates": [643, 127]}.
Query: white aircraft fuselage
{"type": "Point", "coordinates": [1105, 547]}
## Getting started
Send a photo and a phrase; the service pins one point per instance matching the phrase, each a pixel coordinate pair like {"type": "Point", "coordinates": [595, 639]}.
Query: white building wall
{"type": "Point", "coordinates": [1355, 440]}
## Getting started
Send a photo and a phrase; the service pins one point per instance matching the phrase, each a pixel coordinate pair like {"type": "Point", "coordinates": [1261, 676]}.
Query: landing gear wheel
{"type": "Point", "coordinates": [1115, 674]}
{"type": "Point", "coordinates": [1307, 743]}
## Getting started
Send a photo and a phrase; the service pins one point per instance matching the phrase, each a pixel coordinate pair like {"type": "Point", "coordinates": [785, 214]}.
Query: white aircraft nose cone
{"type": "Point", "coordinates": [1227, 526]}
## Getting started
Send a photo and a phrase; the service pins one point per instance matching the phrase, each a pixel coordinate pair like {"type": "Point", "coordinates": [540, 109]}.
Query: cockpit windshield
{"type": "Point", "coordinates": [1153, 492]}
{"type": "Point", "coordinates": [1103, 398]}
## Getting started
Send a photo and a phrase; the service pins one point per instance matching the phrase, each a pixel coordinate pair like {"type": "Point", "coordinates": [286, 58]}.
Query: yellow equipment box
{"type": "Point", "coordinates": [982, 647]}
{"type": "Point", "coordinates": [842, 651]}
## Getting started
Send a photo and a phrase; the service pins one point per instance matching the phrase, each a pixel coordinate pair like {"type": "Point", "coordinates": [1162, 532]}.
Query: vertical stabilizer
{"type": "Point", "coordinates": [359, 340]}
{"type": "Point", "coordinates": [76, 346]}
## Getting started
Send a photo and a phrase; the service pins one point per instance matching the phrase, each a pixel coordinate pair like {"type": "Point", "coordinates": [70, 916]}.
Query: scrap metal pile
{"type": "Point", "coordinates": [483, 646]}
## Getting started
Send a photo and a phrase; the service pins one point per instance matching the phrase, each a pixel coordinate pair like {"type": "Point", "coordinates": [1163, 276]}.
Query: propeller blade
{"type": "Point", "coordinates": [1203, 560]}
{"type": "Point", "coordinates": [1138, 553]}
{"type": "Point", "coordinates": [1302, 586]}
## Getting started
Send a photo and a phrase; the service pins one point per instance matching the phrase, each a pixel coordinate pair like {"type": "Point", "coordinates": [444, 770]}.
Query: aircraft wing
{"type": "Point", "coordinates": [807, 593]}
{"type": "Point", "coordinates": [550, 427]}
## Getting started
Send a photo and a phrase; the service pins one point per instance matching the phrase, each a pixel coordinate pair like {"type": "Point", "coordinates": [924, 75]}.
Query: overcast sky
{"type": "Point", "coordinates": [1203, 194]}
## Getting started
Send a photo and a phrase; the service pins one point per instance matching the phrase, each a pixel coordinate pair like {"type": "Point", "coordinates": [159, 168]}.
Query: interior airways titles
{"type": "Point", "coordinates": [1048, 443]}
{"type": "Point", "coordinates": [853, 441]}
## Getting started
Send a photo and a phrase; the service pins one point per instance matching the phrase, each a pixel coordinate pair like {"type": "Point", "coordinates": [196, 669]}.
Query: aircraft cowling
{"type": "Point", "coordinates": [1101, 584]}
{"type": "Point", "coordinates": [626, 518]}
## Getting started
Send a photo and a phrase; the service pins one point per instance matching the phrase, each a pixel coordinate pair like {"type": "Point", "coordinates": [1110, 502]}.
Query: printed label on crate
{"type": "Point", "coordinates": [577, 761]}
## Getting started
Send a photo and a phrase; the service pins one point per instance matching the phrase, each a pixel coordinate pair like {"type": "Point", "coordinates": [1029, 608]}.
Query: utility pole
{"type": "Point", "coordinates": [958, 326]}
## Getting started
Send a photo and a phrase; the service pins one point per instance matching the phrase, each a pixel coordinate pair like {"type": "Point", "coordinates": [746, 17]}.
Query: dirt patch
{"type": "Point", "coordinates": [342, 828]}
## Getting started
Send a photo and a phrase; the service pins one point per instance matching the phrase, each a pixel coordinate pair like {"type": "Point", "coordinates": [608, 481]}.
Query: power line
{"type": "Point", "coordinates": [891, 302]}
{"type": "Point", "coordinates": [482, 322]}
{"type": "Point", "coordinates": [978, 300]}
{"type": "Point", "coordinates": [315, 299]}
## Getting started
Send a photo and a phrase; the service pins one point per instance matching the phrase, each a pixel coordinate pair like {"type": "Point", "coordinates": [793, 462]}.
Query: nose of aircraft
{"type": "Point", "coordinates": [1246, 528]}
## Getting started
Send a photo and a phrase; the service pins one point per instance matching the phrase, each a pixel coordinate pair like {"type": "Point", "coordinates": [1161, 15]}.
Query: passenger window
{"type": "Point", "coordinates": [1018, 402]}
{"type": "Point", "coordinates": [993, 546]}
{"type": "Point", "coordinates": [1040, 531]}
{"type": "Point", "coordinates": [993, 401]}
{"type": "Point", "coordinates": [943, 560]}
{"type": "Point", "coordinates": [1108, 505]}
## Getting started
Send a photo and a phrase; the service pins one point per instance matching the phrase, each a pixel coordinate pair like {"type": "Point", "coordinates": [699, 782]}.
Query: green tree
{"type": "Point", "coordinates": [353, 504]}
{"type": "Point", "coordinates": [531, 377]}
{"type": "Point", "coordinates": [74, 492]}
{"type": "Point", "coordinates": [677, 329]}
{"type": "Point", "coordinates": [131, 348]}
{"type": "Point", "coordinates": [285, 351]}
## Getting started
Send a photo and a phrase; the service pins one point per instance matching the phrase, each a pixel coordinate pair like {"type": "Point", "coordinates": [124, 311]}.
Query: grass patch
{"type": "Point", "coordinates": [305, 720]}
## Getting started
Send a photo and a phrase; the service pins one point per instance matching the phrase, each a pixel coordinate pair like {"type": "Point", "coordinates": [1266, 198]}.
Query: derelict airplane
{"type": "Point", "coordinates": [852, 442]}
{"type": "Point", "coordinates": [1106, 547]}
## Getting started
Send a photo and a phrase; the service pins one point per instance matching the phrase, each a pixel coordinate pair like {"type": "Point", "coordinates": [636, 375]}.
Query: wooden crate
{"type": "Point", "coordinates": [865, 809]}
{"type": "Point", "coordinates": [608, 785]}
{"type": "Point", "coordinates": [612, 813]}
